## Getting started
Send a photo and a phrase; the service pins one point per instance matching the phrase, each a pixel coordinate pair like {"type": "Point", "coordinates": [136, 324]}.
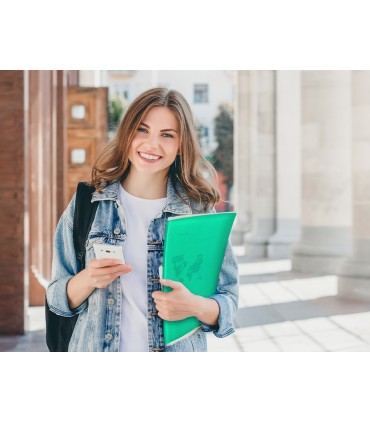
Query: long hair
{"type": "Point", "coordinates": [196, 175]}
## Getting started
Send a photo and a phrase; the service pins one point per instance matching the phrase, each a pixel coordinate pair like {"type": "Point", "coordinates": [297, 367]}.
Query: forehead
{"type": "Point", "coordinates": [161, 116]}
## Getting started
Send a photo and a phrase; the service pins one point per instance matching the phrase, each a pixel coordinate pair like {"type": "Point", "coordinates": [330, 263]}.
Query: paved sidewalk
{"type": "Point", "coordinates": [282, 310]}
{"type": "Point", "coordinates": [279, 310]}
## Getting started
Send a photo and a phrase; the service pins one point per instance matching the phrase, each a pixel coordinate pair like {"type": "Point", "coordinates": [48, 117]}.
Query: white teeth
{"type": "Point", "coordinates": [149, 156]}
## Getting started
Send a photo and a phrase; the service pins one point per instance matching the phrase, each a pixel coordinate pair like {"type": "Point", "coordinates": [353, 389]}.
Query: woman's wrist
{"type": "Point", "coordinates": [206, 310]}
{"type": "Point", "coordinates": [78, 289]}
{"type": "Point", "coordinates": [86, 280]}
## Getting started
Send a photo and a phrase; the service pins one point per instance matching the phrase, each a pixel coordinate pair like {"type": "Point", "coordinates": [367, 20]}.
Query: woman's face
{"type": "Point", "coordinates": [156, 142]}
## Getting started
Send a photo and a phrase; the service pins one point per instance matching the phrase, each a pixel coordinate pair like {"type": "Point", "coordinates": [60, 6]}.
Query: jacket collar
{"type": "Point", "coordinates": [174, 204]}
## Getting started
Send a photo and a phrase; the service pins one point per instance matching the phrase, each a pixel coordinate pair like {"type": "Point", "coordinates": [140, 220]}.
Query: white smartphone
{"type": "Point", "coordinates": [109, 251]}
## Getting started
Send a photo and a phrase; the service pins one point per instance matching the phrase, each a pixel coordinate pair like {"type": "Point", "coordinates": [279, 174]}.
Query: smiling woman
{"type": "Point", "coordinates": [153, 169]}
{"type": "Point", "coordinates": [152, 152]}
{"type": "Point", "coordinates": [140, 122]}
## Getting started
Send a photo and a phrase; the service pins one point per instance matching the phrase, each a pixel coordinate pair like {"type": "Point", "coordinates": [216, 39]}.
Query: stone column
{"type": "Point", "coordinates": [242, 130]}
{"type": "Point", "coordinates": [354, 274]}
{"type": "Point", "coordinates": [326, 175]}
{"type": "Point", "coordinates": [288, 164]}
{"type": "Point", "coordinates": [262, 160]}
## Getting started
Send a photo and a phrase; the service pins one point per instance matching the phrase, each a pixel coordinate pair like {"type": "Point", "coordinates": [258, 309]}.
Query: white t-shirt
{"type": "Point", "coordinates": [139, 212]}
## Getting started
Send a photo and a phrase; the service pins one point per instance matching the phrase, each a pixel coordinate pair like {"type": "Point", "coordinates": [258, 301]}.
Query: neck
{"type": "Point", "coordinates": [149, 187]}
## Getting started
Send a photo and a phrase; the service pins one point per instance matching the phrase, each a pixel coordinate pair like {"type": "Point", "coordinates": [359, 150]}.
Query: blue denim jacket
{"type": "Point", "coordinates": [98, 324]}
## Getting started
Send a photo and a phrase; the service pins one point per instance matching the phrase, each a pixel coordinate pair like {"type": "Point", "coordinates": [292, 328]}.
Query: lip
{"type": "Point", "coordinates": [147, 160]}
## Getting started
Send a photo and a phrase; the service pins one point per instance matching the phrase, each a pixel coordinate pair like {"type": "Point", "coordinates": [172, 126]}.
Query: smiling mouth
{"type": "Point", "coordinates": [149, 157]}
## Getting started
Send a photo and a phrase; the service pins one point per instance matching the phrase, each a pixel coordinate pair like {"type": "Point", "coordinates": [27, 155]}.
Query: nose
{"type": "Point", "coordinates": [154, 140]}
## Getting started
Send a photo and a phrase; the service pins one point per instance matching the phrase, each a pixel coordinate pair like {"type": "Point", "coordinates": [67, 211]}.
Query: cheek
{"type": "Point", "coordinates": [133, 148]}
{"type": "Point", "coordinates": [175, 148]}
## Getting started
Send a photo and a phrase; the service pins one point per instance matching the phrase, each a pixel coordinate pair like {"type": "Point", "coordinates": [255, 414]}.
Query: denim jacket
{"type": "Point", "coordinates": [99, 316]}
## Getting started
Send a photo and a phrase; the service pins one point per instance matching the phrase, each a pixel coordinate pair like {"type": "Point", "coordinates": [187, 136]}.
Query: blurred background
{"type": "Point", "coordinates": [291, 149]}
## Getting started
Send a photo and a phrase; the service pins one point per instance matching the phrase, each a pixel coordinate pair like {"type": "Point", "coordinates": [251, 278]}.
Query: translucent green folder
{"type": "Point", "coordinates": [194, 249]}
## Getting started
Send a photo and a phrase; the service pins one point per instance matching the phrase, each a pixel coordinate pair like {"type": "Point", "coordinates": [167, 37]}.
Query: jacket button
{"type": "Point", "coordinates": [110, 301]}
{"type": "Point", "coordinates": [108, 337]}
{"type": "Point", "coordinates": [116, 231]}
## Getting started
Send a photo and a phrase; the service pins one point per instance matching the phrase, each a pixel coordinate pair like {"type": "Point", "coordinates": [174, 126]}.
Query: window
{"type": "Point", "coordinates": [200, 93]}
{"type": "Point", "coordinates": [203, 136]}
{"type": "Point", "coordinates": [78, 111]}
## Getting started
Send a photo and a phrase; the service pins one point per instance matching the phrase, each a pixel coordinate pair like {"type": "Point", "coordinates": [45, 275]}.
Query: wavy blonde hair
{"type": "Point", "coordinates": [196, 175]}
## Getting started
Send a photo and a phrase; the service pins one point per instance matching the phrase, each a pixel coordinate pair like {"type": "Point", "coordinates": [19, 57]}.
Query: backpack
{"type": "Point", "coordinates": [59, 329]}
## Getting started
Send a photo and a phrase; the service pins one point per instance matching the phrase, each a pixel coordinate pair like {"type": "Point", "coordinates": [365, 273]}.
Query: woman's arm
{"type": "Point", "coordinates": [227, 296]}
{"type": "Point", "coordinates": [64, 266]}
{"type": "Point", "coordinates": [98, 274]}
{"type": "Point", "coordinates": [207, 310]}
{"type": "Point", "coordinates": [69, 288]}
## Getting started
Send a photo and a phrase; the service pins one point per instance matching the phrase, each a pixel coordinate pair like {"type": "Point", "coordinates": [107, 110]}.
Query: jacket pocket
{"type": "Point", "coordinates": [103, 238]}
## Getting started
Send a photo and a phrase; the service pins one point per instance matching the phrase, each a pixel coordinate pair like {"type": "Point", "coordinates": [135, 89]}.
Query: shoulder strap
{"type": "Point", "coordinates": [82, 220]}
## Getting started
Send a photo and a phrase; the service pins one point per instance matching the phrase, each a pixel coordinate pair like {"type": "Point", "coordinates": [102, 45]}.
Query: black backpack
{"type": "Point", "coordinates": [59, 329]}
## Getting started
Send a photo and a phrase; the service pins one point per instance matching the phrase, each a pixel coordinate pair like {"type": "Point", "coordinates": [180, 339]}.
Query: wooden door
{"type": "Point", "coordinates": [86, 133]}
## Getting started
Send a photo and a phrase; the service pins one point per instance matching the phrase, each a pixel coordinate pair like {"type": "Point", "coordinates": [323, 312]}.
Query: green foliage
{"type": "Point", "coordinates": [115, 112]}
{"type": "Point", "coordinates": [224, 136]}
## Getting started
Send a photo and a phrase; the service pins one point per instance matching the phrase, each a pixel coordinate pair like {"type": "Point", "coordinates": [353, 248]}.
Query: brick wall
{"type": "Point", "coordinates": [32, 173]}
{"type": "Point", "coordinates": [12, 202]}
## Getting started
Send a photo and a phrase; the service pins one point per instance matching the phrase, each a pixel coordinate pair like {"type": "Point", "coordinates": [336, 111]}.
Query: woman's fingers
{"type": "Point", "coordinates": [106, 267]}
{"type": "Point", "coordinates": [106, 262]}
{"type": "Point", "coordinates": [103, 281]}
{"type": "Point", "coordinates": [102, 272]}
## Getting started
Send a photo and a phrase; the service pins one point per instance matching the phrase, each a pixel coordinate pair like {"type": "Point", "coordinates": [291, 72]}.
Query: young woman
{"type": "Point", "coordinates": [152, 170]}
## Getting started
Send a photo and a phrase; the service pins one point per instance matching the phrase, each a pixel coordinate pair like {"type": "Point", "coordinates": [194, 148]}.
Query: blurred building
{"type": "Point", "coordinates": [204, 90]}
{"type": "Point", "coordinates": [302, 173]}
{"type": "Point", "coordinates": [50, 131]}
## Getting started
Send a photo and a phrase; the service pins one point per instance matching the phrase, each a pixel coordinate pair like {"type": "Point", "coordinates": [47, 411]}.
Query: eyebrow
{"type": "Point", "coordinates": [162, 130]}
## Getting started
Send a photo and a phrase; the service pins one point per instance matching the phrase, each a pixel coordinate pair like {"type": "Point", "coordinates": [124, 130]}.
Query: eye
{"type": "Point", "coordinates": [141, 129]}
{"type": "Point", "coordinates": [171, 136]}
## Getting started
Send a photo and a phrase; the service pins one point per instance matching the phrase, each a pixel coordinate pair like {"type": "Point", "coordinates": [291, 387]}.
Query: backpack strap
{"type": "Point", "coordinates": [82, 220]}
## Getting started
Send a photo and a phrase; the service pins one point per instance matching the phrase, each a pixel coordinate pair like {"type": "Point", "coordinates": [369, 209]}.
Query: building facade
{"type": "Point", "coordinates": [32, 140]}
{"type": "Point", "coordinates": [204, 90]}
{"type": "Point", "coordinates": [302, 176]}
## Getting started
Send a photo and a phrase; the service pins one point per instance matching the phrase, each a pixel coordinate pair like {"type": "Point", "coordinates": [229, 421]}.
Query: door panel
{"type": "Point", "coordinates": [86, 133]}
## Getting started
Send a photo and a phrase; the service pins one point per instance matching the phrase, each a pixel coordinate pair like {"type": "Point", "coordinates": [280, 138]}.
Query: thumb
{"type": "Point", "coordinates": [171, 284]}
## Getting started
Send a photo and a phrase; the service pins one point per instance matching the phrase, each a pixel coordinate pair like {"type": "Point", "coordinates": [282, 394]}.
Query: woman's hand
{"type": "Point", "coordinates": [177, 304]}
{"type": "Point", "coordinates": [180, 303]}
{"type": "Point", "coordinates": [102, 272]}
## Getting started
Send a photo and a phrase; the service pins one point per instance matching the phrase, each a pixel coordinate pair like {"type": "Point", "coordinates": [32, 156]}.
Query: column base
{"type": "Point", "coordinates": [237, 237]}
{"type": "Point", "coordinates": [316, 264]}
{"type": "Point", "coordinates": [354, 288]}
{"type": "Point", "coordinates": [321, 250]}
{"type": "Point", "coordinates": [256, 242]}
{"type": "Point", "coordinates": [254, 247]}
{"type": "Point", "coordinates": [255, 250]}
{"type": "Point", "coordinates": [354, 280]}
{"type": "Point", "coordinates": [279, 250]}
{"type": "Point", "coordinates": [287, 234]}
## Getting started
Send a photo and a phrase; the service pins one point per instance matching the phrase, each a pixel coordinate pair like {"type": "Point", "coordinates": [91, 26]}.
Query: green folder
{"type": "Point", "coordinates": [194, 249]}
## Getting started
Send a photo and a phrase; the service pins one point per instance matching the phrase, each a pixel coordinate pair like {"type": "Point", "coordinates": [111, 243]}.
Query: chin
{"type": "Point", "coordinates": [153, 171]}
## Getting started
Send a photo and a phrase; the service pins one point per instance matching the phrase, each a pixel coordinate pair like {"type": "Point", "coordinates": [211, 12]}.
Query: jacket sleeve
{"type": "Point", "coordinates": [64, 265]}
{"type": "Point", "coordinates": [227, 295]}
